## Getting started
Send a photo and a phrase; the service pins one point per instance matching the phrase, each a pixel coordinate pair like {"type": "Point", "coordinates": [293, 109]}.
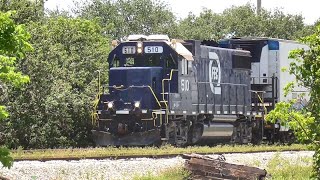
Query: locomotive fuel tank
{"type": "Point", "coordinates": [215, 132]}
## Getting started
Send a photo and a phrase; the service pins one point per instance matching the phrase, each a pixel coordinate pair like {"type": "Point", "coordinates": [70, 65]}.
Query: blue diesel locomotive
{"type": "Point", "coordinates": [178, 92]}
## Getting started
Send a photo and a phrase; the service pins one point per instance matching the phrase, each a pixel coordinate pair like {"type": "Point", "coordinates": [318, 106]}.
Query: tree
{"type": "Point", "coordinates": [55, 108]}
{"type": "Point", "coordinates": [307, 71]}
{"type": "Point", "coordinates": [242, 21]}
{"type": "Point", "coordinates": [13, 46]}
{"type": "Point", "coordinates": [124, 17]}
{"type": "Point", "coordinates": [306, 123]}
{"type": "Point", "coordinates": [26, 10]}
{"type": "Point", "coordinates": [208, 25]}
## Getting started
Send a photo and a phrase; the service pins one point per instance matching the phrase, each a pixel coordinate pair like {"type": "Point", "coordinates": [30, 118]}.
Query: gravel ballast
{"type": "Point", "coordinates": [126, 168]}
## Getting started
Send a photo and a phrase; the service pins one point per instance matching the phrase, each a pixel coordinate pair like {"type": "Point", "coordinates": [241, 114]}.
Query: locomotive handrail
{"type": "Point", "coordinates": [94, 113]}
{"type": "Point", "coordinates": [163, 93]}
{"type": "Point", "coordinates": [224, 84]}
{"type": "Point", "coordinates": [262, 102]}
{"type": "Point", "coordinates": [169, 79]}
{"type": "Point", "coordinates": [257, 91]}
{"type": "Point", "coordinates": [228, 84]}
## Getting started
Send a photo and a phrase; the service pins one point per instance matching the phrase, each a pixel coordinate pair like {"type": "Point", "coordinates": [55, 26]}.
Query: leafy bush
{"type": "Point", "coordinates": [54, 110]}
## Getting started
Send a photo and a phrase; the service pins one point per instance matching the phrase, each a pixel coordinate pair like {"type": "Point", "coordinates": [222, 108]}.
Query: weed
{"type": "Point", "coordinates": [177, 173]}
{"type": "Point", "coordinates": [282, 169]}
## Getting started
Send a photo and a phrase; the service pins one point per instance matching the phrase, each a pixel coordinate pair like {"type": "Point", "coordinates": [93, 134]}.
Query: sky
{"type": "Point", "coordinates": [308, 8]}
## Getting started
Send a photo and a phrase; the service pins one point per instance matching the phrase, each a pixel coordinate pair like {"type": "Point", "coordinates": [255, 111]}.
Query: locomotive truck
{"type": "Point", "coordinates": [191, 91]}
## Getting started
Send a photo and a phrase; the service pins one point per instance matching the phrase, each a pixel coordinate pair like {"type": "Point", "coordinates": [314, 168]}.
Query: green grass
{"type": "Point", "coordinates": [283, 169]}
{"type": "Point", "coordinates": [170, 174]}
{"type": "Point", "coordinates": [144, 151]}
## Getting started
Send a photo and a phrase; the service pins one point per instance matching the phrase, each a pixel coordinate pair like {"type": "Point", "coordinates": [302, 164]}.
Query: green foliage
{"type": "Point", "coordinates": [125, 17]}
{"type": "Point", "coordinates": [5, 157]}
{"type": "Point", "coordinates": [3, 113]}
{"type": "Point", "coordinates": [305, 122]}
{"type": "Point", "coordinates": [280, 168]}
{"type": "Point", "coordinates": [54, 109]}
{"type": "Point", "coordinates": [306, 68]}
{"type": "Point", "coordinates": [27, 10]}
{"type": "Point", "coordinates": [299, 121]}
{"type": "Point", "coordinates": [242, 21]}
{"type": "Point", "coordinates": [208, 25]}
{"type": "Point", "coordinates": [288, 88]}
{"type": "Point", "coordinates": [13, 46]}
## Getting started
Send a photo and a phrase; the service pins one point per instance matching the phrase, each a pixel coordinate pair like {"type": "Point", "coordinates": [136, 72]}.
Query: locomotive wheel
{"type": "Point", "coordinates": [195, 133]}
{"type": "Point", "coordinates": [242, 132]}
{"type": "Point", "coordinates": [177, 133]}
{"type": "Point", "coordinates": [257, 132]}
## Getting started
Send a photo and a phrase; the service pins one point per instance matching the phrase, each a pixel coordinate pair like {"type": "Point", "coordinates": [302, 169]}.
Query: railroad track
{"type": "Point", "coordinates": [155, 156]}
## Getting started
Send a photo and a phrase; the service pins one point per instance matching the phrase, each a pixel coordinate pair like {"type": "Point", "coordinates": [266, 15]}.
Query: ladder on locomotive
{"type": "Point", "coordinates": [163, 112]}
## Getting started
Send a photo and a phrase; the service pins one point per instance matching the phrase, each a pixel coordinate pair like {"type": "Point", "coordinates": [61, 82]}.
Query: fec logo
{"type": "Point", "coordinates": [214, 73]}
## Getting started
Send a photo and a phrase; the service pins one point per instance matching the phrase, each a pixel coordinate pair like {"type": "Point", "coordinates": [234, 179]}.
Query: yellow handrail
{"type": "Point", "coordinates": [154, 95]}
{"type": "Point", "coordinates": [170, 78]}
{"type": "Point", "coordinates": [261, 100]}
{"type": "Point", "coordinates": [94, 114]}
{"type": "Point", "coordinates": [165, 103]}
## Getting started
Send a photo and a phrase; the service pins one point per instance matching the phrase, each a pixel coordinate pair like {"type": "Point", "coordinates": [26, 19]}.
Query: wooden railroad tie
{"type": "Point", "coordinates": [204, 167]}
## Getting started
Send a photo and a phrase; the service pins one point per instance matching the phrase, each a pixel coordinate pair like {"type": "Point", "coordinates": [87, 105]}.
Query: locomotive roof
{"type": "Point", "coordinates": [239, 52]}
{"type": "Point", "coordinates": [261, 39]}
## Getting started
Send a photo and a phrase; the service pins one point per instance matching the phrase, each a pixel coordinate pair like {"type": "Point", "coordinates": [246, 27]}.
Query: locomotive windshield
{"type": "Point", "coordinates": [153, 53]}
{"type": "Point", "coordinates": [154, 60]}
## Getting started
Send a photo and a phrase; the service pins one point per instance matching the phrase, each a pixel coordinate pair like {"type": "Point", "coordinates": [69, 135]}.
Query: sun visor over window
{"type": "Point", "coordinates": [181, 50]}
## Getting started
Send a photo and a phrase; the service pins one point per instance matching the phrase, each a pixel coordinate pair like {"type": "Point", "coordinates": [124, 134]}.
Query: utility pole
{"type": "Point", "coordinates": [258, 7]}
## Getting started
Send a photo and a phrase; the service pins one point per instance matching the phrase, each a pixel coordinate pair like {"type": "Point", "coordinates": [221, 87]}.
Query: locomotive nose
{"type": "Point", "coordinates": [136, 82]}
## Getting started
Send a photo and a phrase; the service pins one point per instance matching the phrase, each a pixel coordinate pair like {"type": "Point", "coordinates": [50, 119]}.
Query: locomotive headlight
{"type": "Point", "coordinates": [137, 104]}
{"type": "Point", "coordinates": [110, 105]}
{"type": "Point", "coordinates": [139, 47]}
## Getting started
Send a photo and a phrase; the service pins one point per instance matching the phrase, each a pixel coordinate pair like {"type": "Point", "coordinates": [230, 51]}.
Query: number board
{"type": "Point", "coordinates": [153, 49]}
{"type": "Point", "coordinates": [128, 50]}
